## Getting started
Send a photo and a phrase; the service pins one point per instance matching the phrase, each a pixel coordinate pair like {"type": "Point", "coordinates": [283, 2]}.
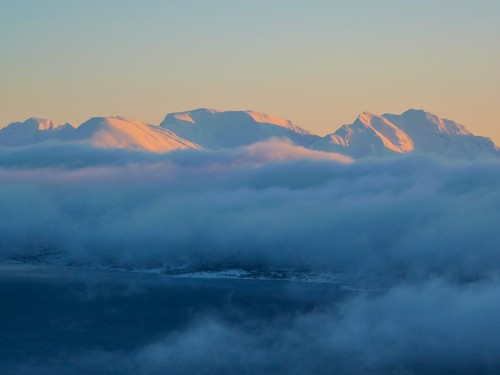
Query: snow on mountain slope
{"type": "Point", "coordinates": [420, 122]}
{"type": "Point", "coordinates": [273, 120]}
{"type": "Point", "coordinates": [215, 129]}
{"type": "Point", "coordinates": [369, 135]}
{"type": "Point", "coordinates": [432, 134]}
{"type": "Point", "coordinates": [33, 130]}
{"type": "Point", "coordinates": [120, 132]}
{"type": "Point", "coordinates": [413, 131]}
{"type": "Point", "coordinates": [374, 135]}
{"type": "Point", "coordinates": [103, 132]}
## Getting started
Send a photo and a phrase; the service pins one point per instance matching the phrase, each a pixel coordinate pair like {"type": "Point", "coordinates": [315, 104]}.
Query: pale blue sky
{"type": "Point", "coordinates": [318, 63]}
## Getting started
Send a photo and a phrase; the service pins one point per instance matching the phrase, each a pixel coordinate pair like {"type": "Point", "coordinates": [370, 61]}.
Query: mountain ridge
{"type": "Point", "coordinates": [414, 130]}
{"type": "Point", "coordinates": [213, 129]}
{"type": "Point", "coordinates": [370, 135]}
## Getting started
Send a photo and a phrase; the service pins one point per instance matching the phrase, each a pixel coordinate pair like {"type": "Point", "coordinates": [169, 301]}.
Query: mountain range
{"type": "Point", "coordinates": [370, 135]}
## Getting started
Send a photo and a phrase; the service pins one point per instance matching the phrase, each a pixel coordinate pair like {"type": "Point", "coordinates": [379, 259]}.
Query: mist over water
{"type": "Point", "coordinates": [114, 323]}
{"type": "Point", "coordinates": [422, 232]}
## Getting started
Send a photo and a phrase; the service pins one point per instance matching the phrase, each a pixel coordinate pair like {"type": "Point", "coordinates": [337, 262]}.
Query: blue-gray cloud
{"type": "Point", "coordinates": [408, 215]}
{"type": "Point", "coordinates": [435, 328]}
{"type": "Point", "coordinates": [429, 228]}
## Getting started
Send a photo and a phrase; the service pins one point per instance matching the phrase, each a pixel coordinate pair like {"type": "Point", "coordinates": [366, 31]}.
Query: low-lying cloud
{"type": "Point", "coordinates": [269, 204]}
{"type": "Point", "coordinates": [429, 227]}
{"type": "Point", "coordinates": [434, 328]}
{"type": "Point", "coordinates": [431, 328]}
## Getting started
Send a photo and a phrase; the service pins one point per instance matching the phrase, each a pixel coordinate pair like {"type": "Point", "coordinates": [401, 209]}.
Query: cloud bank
{"type": "Point", "coordinates": [271, 203]}
{"type": "Point", "coordinates": [429, 228]}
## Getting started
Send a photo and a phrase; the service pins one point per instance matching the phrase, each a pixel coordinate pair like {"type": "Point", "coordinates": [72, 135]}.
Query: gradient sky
{"type": "Point", "coordinates": [318, 63]}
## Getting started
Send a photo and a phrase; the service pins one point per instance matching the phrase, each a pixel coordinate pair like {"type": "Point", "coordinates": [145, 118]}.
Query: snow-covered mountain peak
{"type": "Point", "coordinates": [40, 123]}
{"type": "Point", "coordinates": [420, 120]}
{"type": "Point", "coordinates": [189, 116]}
{"type": "Point", "coordinates": [203, 115]}
{"type": "Point", "coordinates": [122, 132]}
{"type": "Point", "coordinates": [367, 116]}
{"type": "Point", "coordinates": [34, 124]}
{"type": "Point", "coordinates": [31, 131]}
{"type": "Point", "coordinates": [274, 120]}
{"type": "Point", "coordinates": [222, 129]}
{"type": "Point", "coordinates": [415, 130]}
{"type": "Point", "coordinates": [370, 135]}
{"type": "Point", "coordinates": [371, 120]}
{"type": "Point", "coordinates": [370, 129]}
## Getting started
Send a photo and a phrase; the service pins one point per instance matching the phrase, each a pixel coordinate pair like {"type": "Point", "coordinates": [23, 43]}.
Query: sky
{"type": "Point", "coordinates": [318, 63]}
